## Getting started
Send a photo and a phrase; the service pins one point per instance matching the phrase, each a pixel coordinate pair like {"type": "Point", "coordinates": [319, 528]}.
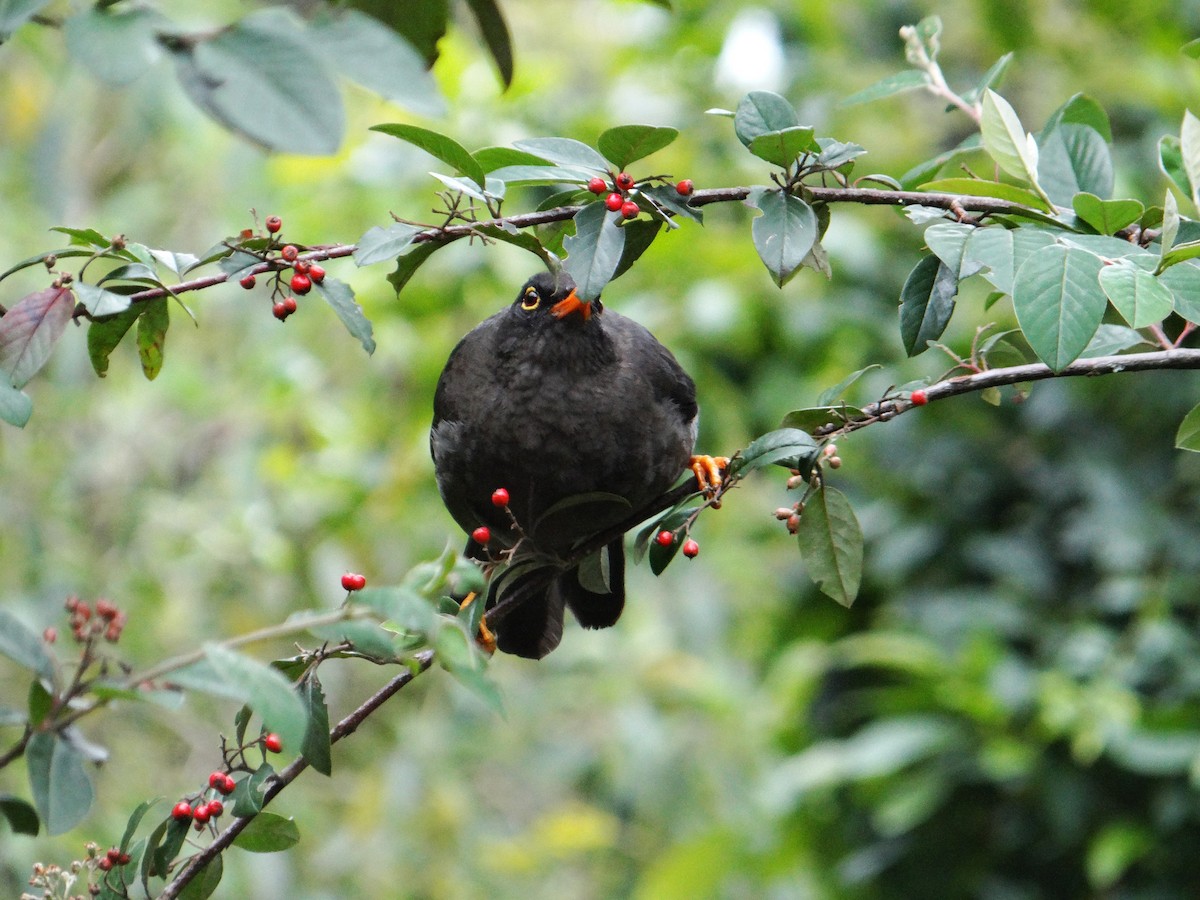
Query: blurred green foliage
{"type": "Point", "coordinates": [1010, 710]}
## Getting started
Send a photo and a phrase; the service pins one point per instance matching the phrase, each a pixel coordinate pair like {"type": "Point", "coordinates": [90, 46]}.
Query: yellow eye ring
{"type": "Point", "coordinates": [531, 299]}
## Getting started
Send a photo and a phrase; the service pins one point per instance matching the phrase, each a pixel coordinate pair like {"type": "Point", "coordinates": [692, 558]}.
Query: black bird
{"type": "Point", "coordinates": [584, 418]}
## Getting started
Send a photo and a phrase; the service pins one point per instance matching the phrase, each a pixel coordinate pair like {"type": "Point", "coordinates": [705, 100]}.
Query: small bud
{"type": "Point", "coordinates": [793, 523]}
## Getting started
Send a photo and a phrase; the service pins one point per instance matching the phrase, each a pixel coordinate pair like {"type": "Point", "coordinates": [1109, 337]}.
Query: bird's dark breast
{"type": "Point", "coordinates": [557, 417]}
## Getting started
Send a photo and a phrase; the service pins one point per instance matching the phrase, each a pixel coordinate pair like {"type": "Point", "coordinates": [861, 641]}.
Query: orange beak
{"type": "Point", "coordinates": [571, 305]}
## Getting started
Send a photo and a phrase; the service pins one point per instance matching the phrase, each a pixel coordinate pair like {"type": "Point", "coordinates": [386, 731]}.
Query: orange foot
{"type": "Point", "coordinates": [484, 638]}
{"type": "Point", "coordinates": [707, 470]}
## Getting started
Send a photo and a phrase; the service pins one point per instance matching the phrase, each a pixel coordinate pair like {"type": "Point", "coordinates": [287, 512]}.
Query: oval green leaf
{"type": "Point", "coordinates": [268, 833]}
{"type": "Point", "coordinates": [831, 544]}
{"type": "Point", "coordinates": [761, 112]}
{"type": "Point", "coordinates": [438, 145]}
{"type": "Point", "coordinates": [926, 304]}
{"type": "Point", "coordinates": [1059, 304]}
{"type": "Point", "coordinates": [62, 790]}
{"type": "Point", "coordinates": [629, 143]}
{"type": "Point", "coordinates": [594, 251]}
{"type": "Point", "coordinates": [784, 233]}
{"type": "Point", "coordinates": [1136, 294]}
{"type": "Point", "coordinates": [784, 146]}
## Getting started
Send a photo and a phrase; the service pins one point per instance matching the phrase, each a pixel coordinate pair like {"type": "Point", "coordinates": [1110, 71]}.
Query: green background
{"type": "Point", "coordinates": [1010, 710]}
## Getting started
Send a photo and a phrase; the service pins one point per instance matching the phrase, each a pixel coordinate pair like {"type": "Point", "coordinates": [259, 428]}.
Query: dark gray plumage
{"type": "Point", "coordinates": [553, 399]}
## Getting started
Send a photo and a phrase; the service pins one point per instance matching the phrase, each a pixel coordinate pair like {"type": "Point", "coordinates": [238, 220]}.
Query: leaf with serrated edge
{"type": "Point", "coordinates": [831, 544]}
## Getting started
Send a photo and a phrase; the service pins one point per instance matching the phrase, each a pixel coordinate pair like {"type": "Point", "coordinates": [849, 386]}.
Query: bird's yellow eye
{"type": "Point", "coordinates": [531, 299]}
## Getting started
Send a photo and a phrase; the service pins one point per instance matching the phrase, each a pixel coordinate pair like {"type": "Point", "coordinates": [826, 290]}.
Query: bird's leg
{"type": "Point", "coordinates": [708, 471]}
{"type": "Point", "coordinates": [484, 638]}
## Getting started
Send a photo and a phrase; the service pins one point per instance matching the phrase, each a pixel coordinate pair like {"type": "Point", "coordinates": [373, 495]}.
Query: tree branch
{"type": "Point", "coordinates": [289, 773]}
{"type": "Point", "coordinates": [450, 233]}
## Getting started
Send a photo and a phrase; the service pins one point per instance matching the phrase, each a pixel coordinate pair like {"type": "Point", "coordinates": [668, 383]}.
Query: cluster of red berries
{"type": "Point", "coordinates": [108, 621]}
{"type": "Point", "coordinates": [114, 857]}
{"type": "Point", "coordinates": [304, 273]}
{"type": "Point", "coordinates": [619, 199]}
{"type": "Point", "coordinates": [690, 548]}
{"type": "Point", "coordinates": [352, 581]}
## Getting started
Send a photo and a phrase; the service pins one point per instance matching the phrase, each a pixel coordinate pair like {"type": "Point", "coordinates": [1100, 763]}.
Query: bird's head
{"type": "Point", "coordinates": [552, 297]}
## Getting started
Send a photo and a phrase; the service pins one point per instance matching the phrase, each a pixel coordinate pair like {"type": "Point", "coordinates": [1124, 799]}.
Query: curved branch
{"type": "Point", "coordinates": [956, 203]}
{"type": "Point", "coordinates": [289, 773]}
{"type": "Point", "coordinates": [978, 381]}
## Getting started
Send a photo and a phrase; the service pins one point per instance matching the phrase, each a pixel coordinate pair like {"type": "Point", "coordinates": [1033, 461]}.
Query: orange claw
{"type": "Point", "coordinates": [485, 639]}
{"type": "Point", "coordinates": [707, 470]}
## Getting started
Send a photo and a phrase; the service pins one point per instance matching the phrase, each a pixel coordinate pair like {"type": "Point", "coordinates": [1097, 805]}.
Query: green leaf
{"type": "Point", "coordinates": [1188, 435]}
{"type": "Point", "coordinates": [62, 790]}
{"type": "Point", "coordinates": [1136, 294]}
{"type": "Point", "coordinates": [316, 748]}
{"type": "Point", "coordinates": [926, 304]}
{"type": "Point", "coordinates": [977, 187]}
{"type": "Point", "coordinates": [226, 673]}
{"type": "Point", "coordinates": [340, 297]}
{"type": "Point", "coordinates": [460, 657]}
{"type": "Point", "coordinates": [1002, 251]}
{"type": "Point", "coordinates": [1058, 302]}
{"type": "Point", "coordinates": [908, 80]}
{"type": "Point", "coordinates": [761, 112]}
{"type": "Point", "coordinates": [15, 13]}
{"type": "Point", "coordinates": [782, 147]}
{"type": "Point", "coordinates": [1106, 216]}
{"type": "Point", "coordinates": [116, 47]}
{"type": "Point", "coordinates": [543, 174]}
{"type": "Point", "coordinates": [1006, 140]}
{"type": "Point", "coordinates": [369, 53]}
{"type": "Point", "coordinates": [629, 143]}
{"type": "Point", "coordinates": [1189, 146]}
{"type": "Point", "coordinates": [98, 301]}
{"type": "Point", "coordinates": [30, 330]}
{"type": "Point", "coordinates": [105, 334]}
{"type": "Point", "coordinates": [380, 244]}
{"type": "Point", "coordinates": [948, 241]}
{"type": "Point", "coordinates": [23, 646]}
{"type": "Point", "coordinates": [408, 263]}
{"type": "Point", "coordinates": [1074, 158]}
{"type": "Point", "coordinates": [206, 881]}
{"type": "Point", "coordinates": [1111, 339]}
{"type": "Point", "coordinates": [1170, 163]}
{"type": "Point", "coordinates": [152, 335]}
{"type": "Point", "coordinates": [21, 817]}
{"type": "Point", "coordinates": [248, 796]}
{"type": "Point", "coordinates": [268, 833]}
{"type": "Point", "coordinates": [1184, 283]}
{"type": "Point", "coordinates": [991, 77]}
{"type": "Point", "coordinates": [788, 447]}
{"type": "Point", "coordinates": [495, 36]}
{"type": "Point", "coordinates": [835, 155]}
{"type": "Point", "coordinates": [135, 819]}
{"type": "Point", "coordinates": [492, 158]}
{"type": "Point", "coordinates": [421, 24]}
{"type": "Point", "coordinates": [261, 78]}
{"type": "Point", "coordinates": [440, 146]}
{"type": "Point", "coordinates": [594, 251]}
{"type": "Point", "coordinates": [15, 406]}
{"type": "Point", "coordinates": [784, 233]}
{"type": "Point", "coordinates": [367, 638]}
{"type": "Point", "coordinates": [565, 152]}
{"type": "Point", "coordinates": [831, 544]}
{"type": "Point", "coordinates": [814, 417]}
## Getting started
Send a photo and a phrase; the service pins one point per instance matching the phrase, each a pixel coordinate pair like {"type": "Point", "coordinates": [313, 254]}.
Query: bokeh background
{"type": "Point", "coordinates": [1010, 710]}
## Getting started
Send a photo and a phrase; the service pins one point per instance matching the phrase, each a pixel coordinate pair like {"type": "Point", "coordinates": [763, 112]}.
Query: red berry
{"type": "Point", "coordinates": [690, 548]}
{"type": "Point", "coordinates": [279, 311]}
{"type": "Point", "coordinates": [274, 223]}
{"type": "Point", "coordinates": [104, 864]}
{"type": "Point", "coordinates": [597, 186]}
{"type": "Point", "coordinates": [217, 780]}
{"type": "Point", "coordinates": [665, 538]}
{"type": "Point", "coordinates": [481, 535]}
{"type": "Point", "coordinates": [123, 859]}
{"type": "Point", "coordinates": [106, 609]}
{"type": "Point", "coordinates": [201, 814]}
{"type": "Point", "coordinates": [50, 635]}
{"type": "Point", "coordinates": [229, 786]}
{"type": "Point", "coordinates": [614, 202]}
{"type": "Point", "coordinates": [316, 273]}
{"type": "Point", "coordinates": [301, 284]}
{"type": "Point", "coordinates": [918, 398]}
{"type": "Point", "coordinates": [289, 304]}
{"type": "Point", "coordinates": [500, 497]}
{"type": "Point", "coordinates": [289, 252]}
{"type": "Point", "coordinates": [685, 187]}
{"type": "Point", "coordinates": [113, 854]}
{"type": "Point", "coordinates": [301, 266]}
{"type": "Point", "coordinates": [352, 581]}
{"type": "Point", "coordinates": [624, 181]}
{"type": "Point", "coordinates": [629, 209]}
{"type": "Point", "coordinates": [215, 808]}
{"type": "Point", "coordinates": [181, 811]}
{"type": "Point", "coordinates": [273, 742]}
{"type": "Point", "coordinates": [247, 282]}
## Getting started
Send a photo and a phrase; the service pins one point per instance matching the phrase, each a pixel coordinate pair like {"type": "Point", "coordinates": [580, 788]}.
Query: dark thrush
{"type": "Point", "coordinates": [584, 418]}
